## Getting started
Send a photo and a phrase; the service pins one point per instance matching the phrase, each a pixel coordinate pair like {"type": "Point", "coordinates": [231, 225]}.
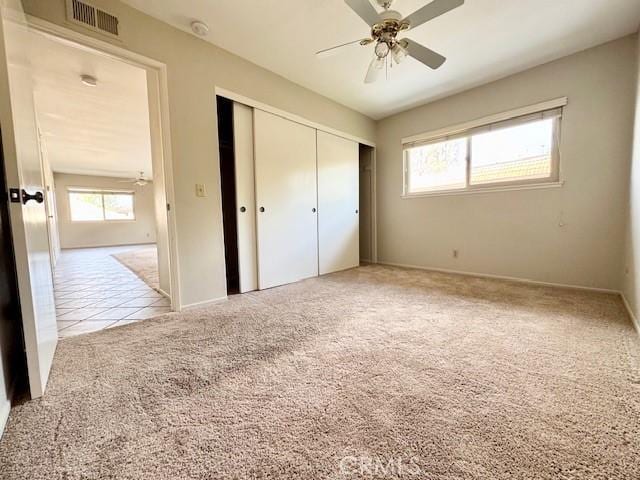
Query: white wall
{"type": "Point", "coordinates": [195, 68]}
{"type": "Point", "coordinates": [631, 271]}
{"type": "Point", "coordinates": [518, 233]}
{"type": "Point", "coordinates": [100, 234]}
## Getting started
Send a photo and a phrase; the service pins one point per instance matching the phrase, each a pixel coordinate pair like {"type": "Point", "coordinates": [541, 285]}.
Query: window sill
{"type": "Point", "coordinates": [474, 191]}
{"type": "Point", "coordinates": [80, 222]}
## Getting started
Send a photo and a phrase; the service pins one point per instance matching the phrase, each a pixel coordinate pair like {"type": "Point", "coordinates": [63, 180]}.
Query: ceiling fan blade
{"type": "Point", "coordinates": [430, 11]}
{"type": "Point", "coordinates": [365, 11]}
{"type": "Point", "coordinates": [430, 58]}
{"type": "Point", "coordinates": [374, 71]}
{"type": "Point", "coordinates": [327, 52]}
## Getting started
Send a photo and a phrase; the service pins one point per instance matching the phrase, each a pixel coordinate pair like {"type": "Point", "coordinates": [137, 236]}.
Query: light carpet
{"type": "Point", "coordinates": [376, 372]}
{"type": "Point", "coordinates": [144, 263]}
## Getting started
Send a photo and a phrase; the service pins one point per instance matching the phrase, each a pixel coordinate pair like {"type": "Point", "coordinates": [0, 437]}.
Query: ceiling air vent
{"type": "Point", "coordinates": [91, 17]}
{"type": "Point", "coordinates": [107, 23]}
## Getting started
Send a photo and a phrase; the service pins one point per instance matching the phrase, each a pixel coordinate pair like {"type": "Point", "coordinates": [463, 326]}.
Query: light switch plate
{"type": "Point", "coordinates": [201, 191]}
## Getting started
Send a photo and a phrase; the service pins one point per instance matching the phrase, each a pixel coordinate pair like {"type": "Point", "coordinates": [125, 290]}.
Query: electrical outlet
{"type": "Point", "coordinates": [200, 190]}
{"type": "Point", "coordinates": [455, 254]}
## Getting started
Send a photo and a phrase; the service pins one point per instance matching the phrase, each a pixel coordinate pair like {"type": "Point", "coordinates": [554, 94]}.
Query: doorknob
{"type": "Point", "coordinates": [38, 197]}
{"type": "Point", "coordinates": [243, 209]}
{"type": "Point", "coordinates": [261, 209]}
{"type": "Point", "coordinates": [313, 210]}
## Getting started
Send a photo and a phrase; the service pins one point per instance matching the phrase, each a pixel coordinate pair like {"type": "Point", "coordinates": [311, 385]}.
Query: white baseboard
{"type": "Point", "coordinates": [501, 277]}
{"type": "Point", "coordinates": [5, 408]}
{"type": "Point", "coordinates": [632, 315]}
{"type": "Point", "coordinates": [205, 303]}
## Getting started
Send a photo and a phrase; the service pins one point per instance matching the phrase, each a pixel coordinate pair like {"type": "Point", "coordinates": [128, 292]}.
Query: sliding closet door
{"type": "Point", "coordinates": [338, 196]}
{"type": "Point", "coordinates": [245, 197]}
{"type": "Point", "coordinates": [285, 168]}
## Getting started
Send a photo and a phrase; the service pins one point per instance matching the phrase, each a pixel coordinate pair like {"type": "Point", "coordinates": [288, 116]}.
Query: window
{"type": "Point", "coordinates": [517, 151]}
{"type": "Point", "coordinates": [100, 206]}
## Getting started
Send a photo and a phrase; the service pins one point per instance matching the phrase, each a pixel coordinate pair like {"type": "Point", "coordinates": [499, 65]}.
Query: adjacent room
{"type": "Point", "coordinates": [92, 117]}
{"type": "Point", "coordinates": [348, 239]}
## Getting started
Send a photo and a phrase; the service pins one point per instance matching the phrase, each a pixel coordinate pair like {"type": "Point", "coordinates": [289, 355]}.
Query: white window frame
{"type": "Point", "coordinates": [493, 122]}
{"type": "Point", "coordinates": [102, 192]}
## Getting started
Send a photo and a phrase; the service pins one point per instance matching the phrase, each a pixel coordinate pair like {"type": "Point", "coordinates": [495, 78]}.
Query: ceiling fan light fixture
{"type": "Point", "coordinates": [387, 25]}
{"type": "Point", "coordinates": [382, 49]}
{"type": "Point", "coordinates": [399, 52]}
{"type": "Point", "coordinates": [375, 67]}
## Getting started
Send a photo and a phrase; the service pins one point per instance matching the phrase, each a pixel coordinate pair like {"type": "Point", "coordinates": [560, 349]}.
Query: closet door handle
{"type": "Point", "coordinates": [261, 209]}
{"type": "Point", "coordinates": [313, 210]}
{"type": "Point", "coordinates": [356, 212]}
{"type": "Point", "coordinates": [243, 209]}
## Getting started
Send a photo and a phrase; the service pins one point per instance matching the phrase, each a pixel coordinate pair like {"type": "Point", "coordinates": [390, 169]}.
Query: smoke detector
{"type": "Point", "coordinates": [200, 28]}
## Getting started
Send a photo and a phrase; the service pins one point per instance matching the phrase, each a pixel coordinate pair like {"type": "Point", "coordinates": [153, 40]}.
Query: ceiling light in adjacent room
{"type": "Point", "coordinates": [89, 80]}
{"type": "Point", "coordinates": [200, 28]}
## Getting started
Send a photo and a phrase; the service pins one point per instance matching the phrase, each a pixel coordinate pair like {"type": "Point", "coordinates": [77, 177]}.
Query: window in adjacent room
{"type": "Point", "coordinates": [100, 206]}
{"type": "Point", "coordinates": [518, 151]}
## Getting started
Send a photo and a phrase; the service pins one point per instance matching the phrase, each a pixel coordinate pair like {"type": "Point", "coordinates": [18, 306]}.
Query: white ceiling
{"type": "Point", "coordinates": [102, 130]}
{"type": "Point", "coordinates": [483, 40]}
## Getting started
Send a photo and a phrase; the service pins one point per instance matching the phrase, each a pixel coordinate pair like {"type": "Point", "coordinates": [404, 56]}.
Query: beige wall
{"type": "Point", "coordinates": [507, 233]}
{"type": "Point", "coordinates": [518, 233]}
{"type": "Point", "coordinates": [631, 271]}
{"type": "Point", "coordinates": [195, 68]}
{"type": "Point", "coordinates": [98, 234]}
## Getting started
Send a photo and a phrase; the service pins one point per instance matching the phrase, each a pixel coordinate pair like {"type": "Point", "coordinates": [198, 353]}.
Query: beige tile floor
{"type": "Point", "coordinates": [94, 291]}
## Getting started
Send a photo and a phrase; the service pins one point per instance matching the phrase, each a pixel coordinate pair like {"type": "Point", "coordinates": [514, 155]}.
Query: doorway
{"type": "Point", "coordinates": [228, 193]}
{"type": "Point", "coordinates": [367, 205]}
{"type": "Point", "coordinates": [104, 184]}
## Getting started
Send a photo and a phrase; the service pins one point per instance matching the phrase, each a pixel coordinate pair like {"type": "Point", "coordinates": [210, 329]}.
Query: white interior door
{"type": "Point", "coordinates": [338, 198]}
{"type": "Point", "coordinates": [245, 196]}
{"type": "Point", "coordinates": [285, 167]}
{"type": "Point", "coordinates": [160, 200]}
{"type": "Point", "coordinates": [28, 220]}
{"type": "Point", "coordinates": [50, 204]}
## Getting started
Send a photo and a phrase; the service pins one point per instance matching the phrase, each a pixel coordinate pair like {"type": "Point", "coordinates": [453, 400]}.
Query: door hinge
{"type": "Point", "coordinates": [168, 207]}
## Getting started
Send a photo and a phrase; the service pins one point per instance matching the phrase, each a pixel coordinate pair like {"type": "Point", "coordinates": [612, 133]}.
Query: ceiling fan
{"type": "Point", "coordinates": [139, 180]}
{"type": "Point", "coordinates": [385, 28]}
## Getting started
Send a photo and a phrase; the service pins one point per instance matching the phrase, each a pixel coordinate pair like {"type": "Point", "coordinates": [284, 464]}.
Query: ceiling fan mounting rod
{"type": "Point", "coordinates": [386, 4]}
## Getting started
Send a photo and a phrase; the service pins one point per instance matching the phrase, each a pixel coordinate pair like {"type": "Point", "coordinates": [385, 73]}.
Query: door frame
{"type": "Point", "coordinates": [17, 382]}
{"type": "Point", "coordinates": [374, 209]}
{"type": "Point", "coordinates": [158, 94]}
{"type": "Point", "coordinates": [256, 105]}
{"type": "Point", "coordinates": [49, 205]}
{"type": "Point", "coordinates": [250, 102]}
